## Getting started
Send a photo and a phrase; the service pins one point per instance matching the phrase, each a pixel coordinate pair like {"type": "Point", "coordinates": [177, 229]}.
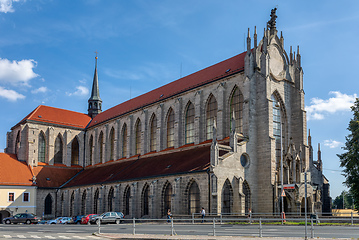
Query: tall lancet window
{"type": "Point", "coordinates": [277, 128]}
{"type": "Point", "coordinates": [138, 136]}
{"type": "Point", "coordinates": [236, 106]}
{"type": "Point", "coordinates": [100, 147]}
{"type": "Point", "coordinates": [189, 124]}
{"type": "Point", "coordinates": [42, 147]}
{"type": "Point", "coordinates": [75, 152]}
{"type": "Point", "coordinates": [91, 150]}
{"type": "Point", "coordinates": [170, 128]}
{"type": "Point", "coordinates": [112, 144]}
{"type": "Point", "coordinates": [124, 140]}
{"type": "Point", "coordinates": [153, 137]}
{"type": "Point", "coordinates": [58, 150]}
{"type": "Point", "coordinates": [211, 116]}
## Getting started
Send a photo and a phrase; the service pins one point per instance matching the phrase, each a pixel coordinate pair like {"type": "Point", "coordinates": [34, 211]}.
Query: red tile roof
{"type": "Point", "coordinates": [225, 68]}
{"type": "Point", "coordinates": [57, 116]}
{"type": "Point", "coordinates": [148, 166]}
{"type": "Point", "coordinates": [48, 176]}
{"type": "Point", "coordinates": [14, 172]}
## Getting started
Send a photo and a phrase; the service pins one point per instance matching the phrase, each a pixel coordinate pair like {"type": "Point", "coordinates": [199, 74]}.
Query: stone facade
{"type": "Point", "coordinates": [249, 142]}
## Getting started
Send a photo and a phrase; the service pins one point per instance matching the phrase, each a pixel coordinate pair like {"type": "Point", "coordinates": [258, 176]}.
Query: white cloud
{"type": "Point", "coordinates": [332, 143]}
{"type": "Point", "coordinates": [17, 72]}
{"type": "Point", "coordinates": [6, 5]}
{"type": "Point", "coordinates": [321, 107]}
{"type": "Point", "coordinates": [39, 90]}
{"type": "Point", "coordinates": [81, 91]}
{"type": "Point", "coordinates": [10, 95]}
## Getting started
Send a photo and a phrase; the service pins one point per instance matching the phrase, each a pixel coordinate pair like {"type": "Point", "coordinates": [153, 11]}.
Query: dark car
{"type": "Point", "coordinates": [76, 219]}
{"type": "Point", "coordinates": [110, 217]}
{"type": "Point", "coordinates": [27, 218]}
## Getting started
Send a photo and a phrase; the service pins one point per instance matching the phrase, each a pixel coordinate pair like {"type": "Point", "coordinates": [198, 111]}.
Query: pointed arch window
{"type": "Point", "coordinates": [91, 150]}
{"type": "Point", "coordinates": [96, 202]}
{"type": "Point", "coordinates": [110, 200]}
{"type": "Point", "coordinates": [277, 128]}
{"type": "Point", "coordinates": [138, 136]}
{"type": "Point", "coordinates": [124, 140]}
{"type": "Point", "coordinates": [236, 106]}
{"type": "Point", "coordinates": [145, 200]}
{"type": "Point", "coordinates": [193, 199]}
{"type": "Point", "coordinates": [126, 201]}
{"type": "Point", "coordinates": [58, 150]}
{"type": "Point", "coordinates": [75, 152]}
{"type": "Point", "coordinates": [170, 128]}
{"type": "Point", "coordinates": [112, 144]}
{"type": "Point", "coordinates": [42, 147]}
{"type": "Point", "coordinates": [83, 203]}
{"type": "Point", "coordinates": [72, 202]}
{"type": "Point", "coordinates": [167, 198]}
{"type": "Point", "coordinates": [17, 143]}
{"type": "Point", "coordinates": [226, 198]}
{"type": "Point", "coordinates": [211, 116]}
{"type": "Point", "coordinates": [247, 196]}
{"type": "Point", "coordinates": [153, 137]}
{"type": "Point", "coordinates": [189, 124]}
{"type": "Point", "coordinates": [100, 147]}
{"type": "Point", "coordinates": [48, 204]}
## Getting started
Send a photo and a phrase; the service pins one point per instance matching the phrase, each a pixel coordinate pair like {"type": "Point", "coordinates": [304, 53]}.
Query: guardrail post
{"type": "Point", "coordinates": [214, 227]}
{"type": "Point", "coordinates": [99, 226]}
{"type": "Point", "coordinates": [351, 218]}
{"type": "Point", "coordinates": [221, 217]}
{"type": "Point", "coordinates": [260, 227]}
{"type": "Point", "coordinates": [171, 226]}
{"type": "Point", "coordinates": [192, 218]}
{"type": "Point", "coordinates": [311, 228]}
{"type": "Point", "coordinates": [134, 226]}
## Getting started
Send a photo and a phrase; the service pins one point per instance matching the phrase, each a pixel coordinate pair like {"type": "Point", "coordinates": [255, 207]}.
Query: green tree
{"type": "Point", "coordinates": [348, 201]}
{"type": "Point", "coordinates": [349, 160]}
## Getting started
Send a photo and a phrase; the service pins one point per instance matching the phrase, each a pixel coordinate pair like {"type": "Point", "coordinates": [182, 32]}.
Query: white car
{"type": "Point", "coordinates": [54, 221]}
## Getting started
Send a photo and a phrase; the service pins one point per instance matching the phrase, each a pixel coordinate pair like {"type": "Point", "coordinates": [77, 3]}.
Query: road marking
{"type": "Point", "coordinates": [35, 236]}
{"type": "Point", "coordinates": [49, 237]}
{"type": "Point", "coordinates": [80, 237]}
{"type": "Point", "coordinates": [7, 236]}
{"type": "Point", "coordinates": [64, 237]}
{"type": "Point", "coordinates": [21, 236]}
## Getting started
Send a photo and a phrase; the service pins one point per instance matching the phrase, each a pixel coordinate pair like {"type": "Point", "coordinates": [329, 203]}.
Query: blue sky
{"type": "Point", "coordinates": [47, 54]}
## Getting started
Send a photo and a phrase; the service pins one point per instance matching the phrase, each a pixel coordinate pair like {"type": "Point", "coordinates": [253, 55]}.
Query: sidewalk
{"type": "Point", "coordinates": [195, 237]}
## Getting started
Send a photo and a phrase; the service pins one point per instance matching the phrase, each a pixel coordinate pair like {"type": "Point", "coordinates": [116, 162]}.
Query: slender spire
{"type": "Point", "coordinates": [95, 102]}
{"type": "Point", "coordinates": [248, 42]}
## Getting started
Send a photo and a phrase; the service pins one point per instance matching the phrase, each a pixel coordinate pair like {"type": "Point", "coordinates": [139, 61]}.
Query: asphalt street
{"type": "Point", "coordinates": [22, 231]}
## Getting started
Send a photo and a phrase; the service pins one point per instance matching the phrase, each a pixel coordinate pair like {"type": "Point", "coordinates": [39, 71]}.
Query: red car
{"type": "Point", "coordinates": [86, 219]}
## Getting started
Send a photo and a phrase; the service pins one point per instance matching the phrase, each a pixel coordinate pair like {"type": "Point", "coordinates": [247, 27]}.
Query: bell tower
{"type": "Point", "coordinates": [95, 102]}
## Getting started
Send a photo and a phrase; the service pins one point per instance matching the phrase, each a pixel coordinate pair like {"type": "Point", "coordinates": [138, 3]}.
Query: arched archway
{"type": "Point", "coordinates": [166, 198]}
{"type": "Point", "coordinates": [227, 197]}
{"type": "Point", "coordinates": [247, 196]}
{"type": "Point", "coordinates": [193, 198]}
{"type": "Point", "coordinates": [145, 200]}
{"type": "Point", "coordinates": [48, 205]}
{"type": "Point", "coordinates": [110, 200]}
{"type": "Point", "coordinates": [127, 196]}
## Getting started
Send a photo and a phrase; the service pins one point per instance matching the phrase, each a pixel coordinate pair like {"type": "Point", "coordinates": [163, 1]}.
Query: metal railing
{"type": "Point", "coordinates": [218, 219]}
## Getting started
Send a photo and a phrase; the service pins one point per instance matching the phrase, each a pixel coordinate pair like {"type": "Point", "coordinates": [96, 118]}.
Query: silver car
{"type": "Point", "coordinates": [110, 217]}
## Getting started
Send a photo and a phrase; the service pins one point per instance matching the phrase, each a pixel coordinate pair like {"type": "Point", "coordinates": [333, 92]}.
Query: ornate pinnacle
{"type": "Point", "coordinates": [272, 22]}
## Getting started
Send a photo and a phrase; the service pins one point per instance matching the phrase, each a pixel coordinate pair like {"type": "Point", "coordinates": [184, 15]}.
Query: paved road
{"type": "Point", "coordinates": [85, 231]}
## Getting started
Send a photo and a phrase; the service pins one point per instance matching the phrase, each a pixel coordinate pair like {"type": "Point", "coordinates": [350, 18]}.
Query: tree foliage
{"type": "Point", "coordinates": [338, 201]}
{"type": "Point", "coordinates": [349, 160]}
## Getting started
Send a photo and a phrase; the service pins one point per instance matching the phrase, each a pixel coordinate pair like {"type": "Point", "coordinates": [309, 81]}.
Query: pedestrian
{"type": "Point", "coordinates": [250, 216]}
{"type": "Point", "coordinates": [203, 213]}
{"type": "Point", "coordinates": [169, 215]}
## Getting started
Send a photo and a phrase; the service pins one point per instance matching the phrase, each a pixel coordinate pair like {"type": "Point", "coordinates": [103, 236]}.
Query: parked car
{"type": "Point", "coordinates": [110, 217]}
{"type": "Point", "coordinates": [27, 218]}
{"type": "Point", "coordinates": [65, 220]}
{"type": "Point", "coordinates": [86, 219]}
{"type": "Point", "coordinates": [54, 221]}
{"type": "Point", "coordinates": [92, 219]}
{"type": "Point", "coordinates": [76, 219]}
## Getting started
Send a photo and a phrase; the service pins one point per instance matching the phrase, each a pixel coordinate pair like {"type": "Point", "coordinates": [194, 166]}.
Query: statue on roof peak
{"type": "Point", "coordinates": [272, 22]}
